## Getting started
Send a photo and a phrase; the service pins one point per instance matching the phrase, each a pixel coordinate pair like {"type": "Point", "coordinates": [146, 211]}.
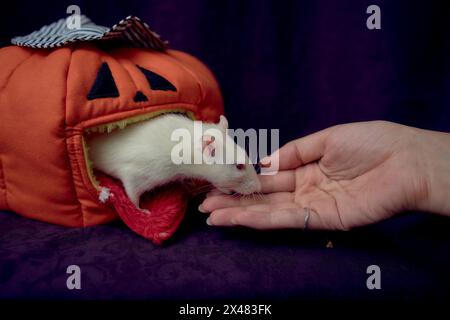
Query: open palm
{"type": "Point", "coordinates": [348, 175]}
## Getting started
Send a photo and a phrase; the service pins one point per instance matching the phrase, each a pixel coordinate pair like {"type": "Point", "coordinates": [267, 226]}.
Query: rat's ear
{"type": "Point", "coordinates": [208, 147]}
{"type": "Point", "coordinates": [223, 122]}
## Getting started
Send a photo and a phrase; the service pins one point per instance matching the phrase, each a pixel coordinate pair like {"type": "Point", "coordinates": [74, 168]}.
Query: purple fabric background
{"type": "Point", "coordinates": [201, 262]}
{"type": "Point", "coordinates": [299, 66]}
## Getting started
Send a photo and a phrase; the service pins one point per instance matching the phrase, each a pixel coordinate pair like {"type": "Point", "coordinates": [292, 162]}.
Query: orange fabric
{"type": "Point", "coordinates": [44, 113]}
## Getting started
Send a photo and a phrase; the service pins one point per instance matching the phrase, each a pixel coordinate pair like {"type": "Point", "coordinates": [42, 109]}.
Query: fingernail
{"type": "Point", "coordinates": [209, 222]}
{"type": "Point", "coordinates": [200, 208]}
{"type": "Point", "coordinates": [265, 162]}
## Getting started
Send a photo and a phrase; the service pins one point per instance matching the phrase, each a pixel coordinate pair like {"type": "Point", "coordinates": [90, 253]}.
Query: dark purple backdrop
{"type": "Point", "coordinates": [299, 66]}
{"type": "Point", "coordinates": [295, 65]}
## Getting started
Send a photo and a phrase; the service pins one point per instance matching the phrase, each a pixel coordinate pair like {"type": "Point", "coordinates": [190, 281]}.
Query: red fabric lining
{"type": "Point", "coordinates": [167, 208]}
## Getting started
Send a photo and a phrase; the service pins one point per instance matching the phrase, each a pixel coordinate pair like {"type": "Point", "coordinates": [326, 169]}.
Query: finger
{"type": "Point", "coordinates": [283, 181]}
{"type": "Point", "coordinates": [297, 152]}
{"type": "Point", "coordinates": [265, 217]}
{"type": "Point", "coordinates": [224, 201]}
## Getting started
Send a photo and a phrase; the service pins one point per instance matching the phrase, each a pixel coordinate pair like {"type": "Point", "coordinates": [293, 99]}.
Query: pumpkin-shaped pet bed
{"type": "Point", "coordinates": [52, 98]}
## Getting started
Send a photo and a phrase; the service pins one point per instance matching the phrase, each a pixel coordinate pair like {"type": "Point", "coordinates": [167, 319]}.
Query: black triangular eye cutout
{"type": "Point", "coordinates": [156, 81]}
{"type": "Point", "coordinates": [104, 85]}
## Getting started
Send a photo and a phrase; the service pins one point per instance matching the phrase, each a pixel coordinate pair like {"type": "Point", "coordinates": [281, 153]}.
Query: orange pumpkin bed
{"type": "Point", "coordinates": [50, 99]}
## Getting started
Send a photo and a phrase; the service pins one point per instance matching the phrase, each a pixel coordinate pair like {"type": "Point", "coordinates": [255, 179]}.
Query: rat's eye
{"type": "Point", "coordinates": [240, 166]}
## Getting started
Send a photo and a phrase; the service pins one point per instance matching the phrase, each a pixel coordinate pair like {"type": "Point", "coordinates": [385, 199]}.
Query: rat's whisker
{"type": "Point", "coordinates": [262, 197]}
{"type": "Point", "coordinates": [208, 185]}
{"type": "Point", "coordinates": [236, 195]}
{"type": "Point", "coordinates": [200, 190]}
{"type": "Point", "coordinates": [203, 189]}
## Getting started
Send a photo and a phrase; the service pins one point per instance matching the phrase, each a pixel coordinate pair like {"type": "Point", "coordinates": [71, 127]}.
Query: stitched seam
{"type": "Point", "coordinates": [65, 141]}
{"type": "Point", "coordinates": [15, 69]}
{"type": "Point", "coordinates": [202, 93]}
{"type": "Point", "coordinates": [77, 152]}
{"type": "Point", "coordinates": [119, 62]}
{"type": "Point", "coordinates": [82, 124]}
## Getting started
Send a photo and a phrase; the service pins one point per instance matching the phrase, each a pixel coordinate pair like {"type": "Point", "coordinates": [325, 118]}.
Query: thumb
{"type": "Point", "coordinates": [297, 152]}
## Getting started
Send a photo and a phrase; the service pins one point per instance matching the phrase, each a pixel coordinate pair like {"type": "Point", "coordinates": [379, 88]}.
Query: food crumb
{"type": "Point", "coordinates": [330, 245]}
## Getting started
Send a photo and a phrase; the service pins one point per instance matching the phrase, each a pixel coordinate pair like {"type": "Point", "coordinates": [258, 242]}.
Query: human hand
{"type": "Point", "coordinates": [348, 175]}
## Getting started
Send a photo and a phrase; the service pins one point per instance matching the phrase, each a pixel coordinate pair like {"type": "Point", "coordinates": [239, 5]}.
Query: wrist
{"type": "Point", "coordinates": [433, 149]}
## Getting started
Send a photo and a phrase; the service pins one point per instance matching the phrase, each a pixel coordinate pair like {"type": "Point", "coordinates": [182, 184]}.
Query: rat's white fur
{"type": "Point", "coordinates": [140, 156]}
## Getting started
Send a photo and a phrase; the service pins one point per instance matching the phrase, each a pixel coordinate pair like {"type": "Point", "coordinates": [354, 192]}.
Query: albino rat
{"type": "Point", "coordinates": [140, 157]}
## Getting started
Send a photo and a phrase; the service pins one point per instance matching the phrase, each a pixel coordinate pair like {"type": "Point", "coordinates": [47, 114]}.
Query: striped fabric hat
{"type": "Point", "coordinates": [130, 31]}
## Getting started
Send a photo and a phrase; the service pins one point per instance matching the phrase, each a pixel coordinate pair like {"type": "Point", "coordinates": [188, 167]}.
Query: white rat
{"type": "Point", "coordinates": [140, 157]}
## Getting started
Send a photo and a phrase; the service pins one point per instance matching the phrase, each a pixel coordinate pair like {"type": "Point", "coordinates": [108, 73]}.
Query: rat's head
{"type": "Point", "coordinates": [226, 164]}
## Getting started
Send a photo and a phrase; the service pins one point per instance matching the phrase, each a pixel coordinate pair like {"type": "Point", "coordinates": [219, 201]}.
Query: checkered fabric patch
{"type": "Point", "coordinates": [131, 31]}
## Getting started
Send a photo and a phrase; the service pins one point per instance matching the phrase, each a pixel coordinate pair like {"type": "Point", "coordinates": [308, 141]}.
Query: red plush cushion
{"type": "Point", "coordinates": [167, 206]}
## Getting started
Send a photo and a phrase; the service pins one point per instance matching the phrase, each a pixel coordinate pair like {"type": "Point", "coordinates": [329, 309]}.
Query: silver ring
{"type": "Point", "coordinates": [307, 215]}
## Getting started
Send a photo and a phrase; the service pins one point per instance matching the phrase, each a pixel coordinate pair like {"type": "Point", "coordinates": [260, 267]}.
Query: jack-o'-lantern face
{"type": "Point", "coordinates": [108, 86]}
{"type": "Point", "coordinates": [105, 86]}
